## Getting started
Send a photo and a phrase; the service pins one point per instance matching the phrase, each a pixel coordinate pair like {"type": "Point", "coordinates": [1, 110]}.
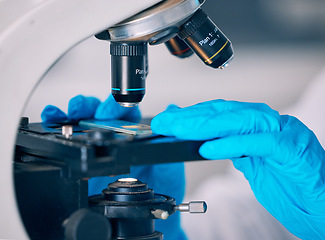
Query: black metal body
{"type": "Point", "coordinates": [46, 198]}
{"type": "Point", "coordinates": [129, 69]}
{"type": "Point", "coordinates": [178, 48]}
{"type": "Point", "coordinates": [51, 172]}
{"type": "Point", "coordinates": [206, 40]}
{"type": "Point", "coordinates": [129, 207]}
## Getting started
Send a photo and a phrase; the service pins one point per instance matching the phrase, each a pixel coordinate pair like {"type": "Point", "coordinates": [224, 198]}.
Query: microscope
{"type": "Point", "coordinates": [48, 165]}
{"type": "Point", "coordinates": [182, 25]}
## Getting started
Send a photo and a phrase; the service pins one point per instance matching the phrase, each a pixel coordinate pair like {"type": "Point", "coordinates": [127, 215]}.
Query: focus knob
{"type": "Point", "coordinates": [85, 224]}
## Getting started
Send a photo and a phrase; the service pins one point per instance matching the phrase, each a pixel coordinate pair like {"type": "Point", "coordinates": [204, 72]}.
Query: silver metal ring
{"type": "Point", "coordinates": [167, 13]}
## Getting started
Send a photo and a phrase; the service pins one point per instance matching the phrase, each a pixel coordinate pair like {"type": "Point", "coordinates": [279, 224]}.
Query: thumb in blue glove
{"type": "Point", "coordinates": [279, 156]}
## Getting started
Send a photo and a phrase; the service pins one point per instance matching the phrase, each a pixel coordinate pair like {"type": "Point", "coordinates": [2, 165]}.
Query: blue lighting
{"type": "Point", "coordinates": [134, 89]}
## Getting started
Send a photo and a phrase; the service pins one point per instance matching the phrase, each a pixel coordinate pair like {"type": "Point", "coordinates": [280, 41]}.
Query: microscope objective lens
{"type": "Point", "coordinates": [128, 72]}
{"type": "Point", "coordinates": [206, 40]}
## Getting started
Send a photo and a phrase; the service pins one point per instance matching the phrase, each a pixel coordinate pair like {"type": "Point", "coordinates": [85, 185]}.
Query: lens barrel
{"type": "Point", "coordinates": [129, 69]}
{"type": "Point", "coordinates": [178, 47]}
{"type": "Point", "coordinates": [206, 40]}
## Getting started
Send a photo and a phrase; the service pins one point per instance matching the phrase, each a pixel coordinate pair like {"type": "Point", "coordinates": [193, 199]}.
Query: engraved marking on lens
{"type": "Point", "coordinates": [204, 41]}
{"type": "Point", "coordinates": [213, 42]}
{"type": "Point", "coordinates": [209, 59]}
{"type": "Point", "coordinates": [139, 71]}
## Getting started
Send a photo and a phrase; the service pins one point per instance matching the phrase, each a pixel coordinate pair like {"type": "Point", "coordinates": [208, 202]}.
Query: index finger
{"type": "Point", "coordinates": [216, 119]}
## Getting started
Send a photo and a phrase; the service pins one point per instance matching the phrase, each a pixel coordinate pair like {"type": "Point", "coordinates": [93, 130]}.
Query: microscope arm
{"type": "Point", "coordinates": [29, 46]}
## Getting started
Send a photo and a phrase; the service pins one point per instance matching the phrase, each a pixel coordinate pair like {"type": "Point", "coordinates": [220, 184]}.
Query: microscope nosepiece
{"type": "Point", "coordinates": [129, 69]}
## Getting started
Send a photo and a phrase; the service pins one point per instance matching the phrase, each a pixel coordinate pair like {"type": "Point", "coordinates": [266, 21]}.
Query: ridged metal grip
{"type": "Point", "coordinates": [128, 49]}
{"type": "Point", "coordinates": [192, 25]}
{"type": "Point", "coordinates": [192, 207]}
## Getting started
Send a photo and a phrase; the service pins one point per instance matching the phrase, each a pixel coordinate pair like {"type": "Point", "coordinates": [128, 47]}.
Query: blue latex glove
{"type": "Point", "coordinates": [168, 179]}
{"type": "Point", "coordinates": [279, 156]}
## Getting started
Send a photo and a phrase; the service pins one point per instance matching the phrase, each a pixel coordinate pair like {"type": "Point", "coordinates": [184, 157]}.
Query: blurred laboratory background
{"type": "Point", "coordinates": [279, 50]}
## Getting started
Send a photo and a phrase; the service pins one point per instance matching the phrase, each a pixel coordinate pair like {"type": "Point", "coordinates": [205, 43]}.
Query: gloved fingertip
{"type": "Point", "coordinates": [81, 107]}
{"type": "Point", "coordinates": [205, 150]}
{"type": "Point", "coordinates": [132, 115]}
{"type": "Point", "coordinates": [213, 150]}
{"type": "Point", "coordinates": [53, 114]}
{"type": "Point", "coordinates": [110, 109]}
{"type": "Point", "coordinates": [164, 124]}
{"type": "Point", "coordinates": [156, 125]}
{"type": "Point", "coordinates": [172, 107]}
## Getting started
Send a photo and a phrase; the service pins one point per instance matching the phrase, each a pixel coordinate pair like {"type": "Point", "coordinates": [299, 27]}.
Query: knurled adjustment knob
{"type": "Point", "coordinates": [192, 207]}
{"type": "Point", "coordinates": [100, 135]}
{"type": "Point", "coordinates": [24, 121]}
{"type": "Point", "coordinates": [192, 25]}
{"type": "Point", "coordinates": [128, 48]}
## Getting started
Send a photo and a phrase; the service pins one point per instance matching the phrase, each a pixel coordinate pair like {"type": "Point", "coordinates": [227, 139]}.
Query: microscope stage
{"type": "Point", "coordinates": [99, 148]}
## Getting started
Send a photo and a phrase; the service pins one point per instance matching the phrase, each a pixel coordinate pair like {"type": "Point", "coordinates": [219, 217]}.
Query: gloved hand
{"type": "Point", "coordinates": [279, 156]}
{"type": "Point", "coordinates": [168, 179]}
